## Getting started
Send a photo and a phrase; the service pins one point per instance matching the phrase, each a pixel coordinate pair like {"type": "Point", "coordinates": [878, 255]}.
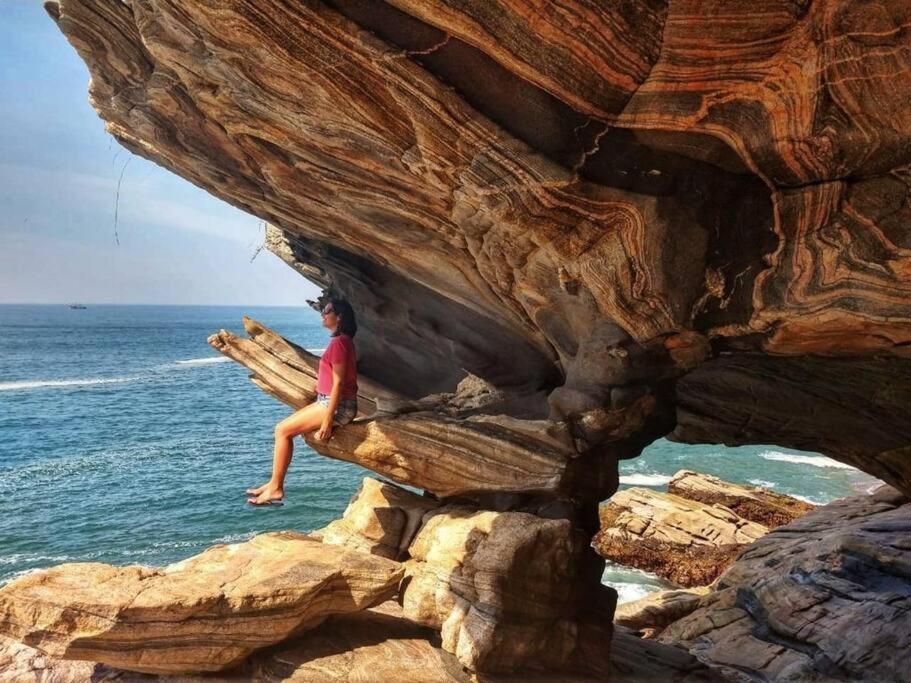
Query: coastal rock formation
{"type": "Point", "coordinates": [505, 589]}
{"type": "Point", "coordinates": [205, 613]}
{"type": "Point", "coordinates": [687, 542]}
{"type": "Point", "coordinates": [650, 615]}
{"type": "Point", "coordinates": [365, 647]}
{"type": "Point", "coordinates": [630, 220]}
{"type": "Point", "coordinates": [756, 504]}
{"type": "Point", "coordinates": [827, 597]}
{"type": "Point", "coordinates": [584, 225]}
{"type": "Point", "coordinates": [380, 519]}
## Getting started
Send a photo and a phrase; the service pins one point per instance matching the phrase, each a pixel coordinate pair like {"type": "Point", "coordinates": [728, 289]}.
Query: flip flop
{"type": "Point", "coordinates": [278, 502]}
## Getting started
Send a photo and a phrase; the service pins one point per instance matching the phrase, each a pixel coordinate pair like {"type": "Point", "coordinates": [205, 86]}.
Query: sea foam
{"type": "Point", "coordinates": [813, 460]}
{"type": "Point", "coordinates": [203, 361]}
{"type": "Point", "coordinates": [645, 479]}
{"type": "Point", "coordinates": [60, 383]}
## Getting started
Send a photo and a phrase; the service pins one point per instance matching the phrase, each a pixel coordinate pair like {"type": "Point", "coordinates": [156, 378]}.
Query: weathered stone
{"type": "Point", "coordinates": [827, 597]}
{"type": "Point", "coordinates": [478, 454]}
{"type": "Point", "coordinates": [685, 541]}
{"type": "Point", "coordinates": [651, 614]}
{"type": "Point", "coordinates": [205, 613]}
{"type": "Point", "coordinates": [380, 519]}
{"type": "Point", "coordinates": [20, 663]}
{"type": "Point", "coordinates": [634, 660]}
{"type": "Point", "coordinates": [756, 504]}
{"type": "Point", "coordinates": [365, 647]}
{"type": "Point", "coordinates": [504, 589]}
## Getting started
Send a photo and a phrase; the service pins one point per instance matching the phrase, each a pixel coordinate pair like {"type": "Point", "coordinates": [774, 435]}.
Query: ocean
{"type": "Point", "coordinates": [125, 438]}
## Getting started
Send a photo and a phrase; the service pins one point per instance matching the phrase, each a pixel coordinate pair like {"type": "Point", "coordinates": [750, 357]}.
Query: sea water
{"type": "Point", "coordinates": [125, 438]}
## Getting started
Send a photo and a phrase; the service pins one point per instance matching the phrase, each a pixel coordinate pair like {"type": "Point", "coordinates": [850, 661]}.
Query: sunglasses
{"type": "Point", "coordinates": [326, 311]}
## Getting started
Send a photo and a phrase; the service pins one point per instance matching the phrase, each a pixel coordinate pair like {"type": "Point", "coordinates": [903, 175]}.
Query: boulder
{"type": "Point", "coordinates": [754, 503]}
{"type": "Point", "coordinates": [684, 541]}
{"type": "Point", "coordinates": [205, 613]}
{"type": "Point", "coordinates": [381, 519]}
{"type": "Point", "coordinates": [503, 588]}
{"type": "Point", "coordinates": [827, 597]}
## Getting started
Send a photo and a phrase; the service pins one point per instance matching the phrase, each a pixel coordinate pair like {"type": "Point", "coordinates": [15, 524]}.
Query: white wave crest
{"type": "Point", "coordinates": [805, 499]}
{"type": "Point", "coordinates": [318, 352]}
{"type": "Point", "coordinates": [645, 479]}
{"type": "Point", "coordinates": [813, 460]}
{"type": "Point", "coordinates": [763, 483]}
{"type": "Point", "coordinates": [58, 383]}
{"type": "Point", "coordinates": [203, 361]}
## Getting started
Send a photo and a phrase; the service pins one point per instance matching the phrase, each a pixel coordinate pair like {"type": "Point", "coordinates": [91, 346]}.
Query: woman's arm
{"type": "Point", "coordinates": [338, 376]}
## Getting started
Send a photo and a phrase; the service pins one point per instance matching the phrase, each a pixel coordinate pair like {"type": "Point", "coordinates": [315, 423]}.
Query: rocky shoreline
{"type": "Point", "coordinates": [568, 229]}
{"type": "Point", "coordinates": [692, 533]}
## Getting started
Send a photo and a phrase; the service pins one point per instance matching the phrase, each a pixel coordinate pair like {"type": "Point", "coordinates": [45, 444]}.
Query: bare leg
{"type": "Point", "coordinates": [307, 419]}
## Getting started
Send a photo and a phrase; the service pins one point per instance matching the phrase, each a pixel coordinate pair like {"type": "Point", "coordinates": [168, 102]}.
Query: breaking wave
{"type": "Point", "coordinates": [813, 460]}
{"type": "Point", "coordinates": [60, 383]}
{"type": "Point", "coordinates": [204, 361]}
{"type": "Point", "coordinates": [645, 479]}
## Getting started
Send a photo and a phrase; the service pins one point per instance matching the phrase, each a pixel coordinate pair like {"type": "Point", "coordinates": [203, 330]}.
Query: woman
{"type": "Point", "coordinates": [336, 387]}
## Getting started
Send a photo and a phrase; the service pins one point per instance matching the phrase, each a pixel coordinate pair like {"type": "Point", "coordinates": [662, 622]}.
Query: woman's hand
{"type": "Point", "coordinates": [324, 432]}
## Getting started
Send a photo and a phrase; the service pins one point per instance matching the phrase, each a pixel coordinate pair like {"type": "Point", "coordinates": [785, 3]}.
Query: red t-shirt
{"type": "Point", "coordinates": [339, 350]}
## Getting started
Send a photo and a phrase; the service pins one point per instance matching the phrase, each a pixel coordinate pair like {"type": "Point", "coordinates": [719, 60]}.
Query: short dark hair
{"type": "Point", "coordinates": [347, 323]}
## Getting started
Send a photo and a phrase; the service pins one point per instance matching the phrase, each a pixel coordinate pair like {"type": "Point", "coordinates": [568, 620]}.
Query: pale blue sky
{"type": "Point", "coordinates": [58, 179]}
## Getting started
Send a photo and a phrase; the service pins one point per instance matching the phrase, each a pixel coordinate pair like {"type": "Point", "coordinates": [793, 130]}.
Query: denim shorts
{"type": "Point", "coordinates": [344, 411]}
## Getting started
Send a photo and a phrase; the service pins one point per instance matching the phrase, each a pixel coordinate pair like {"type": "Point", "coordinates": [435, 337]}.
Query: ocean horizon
{"type": "Point", "coordinates": [125, 438]}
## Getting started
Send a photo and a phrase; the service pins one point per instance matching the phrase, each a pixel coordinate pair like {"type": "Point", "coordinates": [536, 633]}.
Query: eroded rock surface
{"type": "Point", "coordinates": [380, 519]}
{"type": "Point", "coordinates": [827, 597]}
{"type": "Point", "coordinates": [206, 613]}
{"type": "Point", "coordinates": [754, 503]}
{"type": "Point", "coordinates": [687, 542]}
{"type": "Point", "coordinates": [651, 614]}
{"type": "Point", "coordinates": [502, 588]}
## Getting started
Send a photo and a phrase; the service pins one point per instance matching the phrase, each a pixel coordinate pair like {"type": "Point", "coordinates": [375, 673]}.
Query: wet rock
{"type": "Point", "coordinates": [205, 613]}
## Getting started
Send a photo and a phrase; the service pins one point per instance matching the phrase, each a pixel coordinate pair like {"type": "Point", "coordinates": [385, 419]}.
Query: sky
{"type": "Point", "coordinates": [58, 183]}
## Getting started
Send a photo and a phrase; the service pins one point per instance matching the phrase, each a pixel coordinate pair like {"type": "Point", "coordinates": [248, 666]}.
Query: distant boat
{"type": "Point", "coordinates": [77, 306]}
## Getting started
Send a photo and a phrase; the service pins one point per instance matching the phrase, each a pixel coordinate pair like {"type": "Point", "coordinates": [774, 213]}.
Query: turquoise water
{"type": "Point", "coordinates": [125, 438]}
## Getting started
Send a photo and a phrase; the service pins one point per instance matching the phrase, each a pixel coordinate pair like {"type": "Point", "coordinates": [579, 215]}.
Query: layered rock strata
{"type": "Point", "coordinates": [205, 613]}
{"type": "Point", "coordinates": [629, 218]}
{"type": "Point", "coordinates": [687, 542]}
{"type": "Point", "coordinates": [827, 597]}
{"type": "Point", "coordinates": [754, 503]}
{"type": "Point", "coordinates": [505, 589]}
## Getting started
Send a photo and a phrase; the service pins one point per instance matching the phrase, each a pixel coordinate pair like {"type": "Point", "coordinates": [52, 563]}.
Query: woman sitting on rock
{"type": "Point", "coordinates": [336, 397]}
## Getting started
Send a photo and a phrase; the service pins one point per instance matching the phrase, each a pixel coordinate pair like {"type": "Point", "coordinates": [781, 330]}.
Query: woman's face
{"type": "Point", "coordinates": [330, 318]}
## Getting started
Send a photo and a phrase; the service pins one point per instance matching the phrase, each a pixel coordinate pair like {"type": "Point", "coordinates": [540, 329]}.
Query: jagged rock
{"type": "Point", "coordinates": [685, 541]}
{"type": "Point", "coordinates": [205, 613]}
{"type": "Point", "coordinates": [504, 589]}
{"type": "Point", "coordinates": [651, 614]}
{"type": "Point", "coordinates": [827, 597]}
{"type": "Point", "coordinates": [756, 504]}
{"type": "Point", "coordinates": [380, 519]}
